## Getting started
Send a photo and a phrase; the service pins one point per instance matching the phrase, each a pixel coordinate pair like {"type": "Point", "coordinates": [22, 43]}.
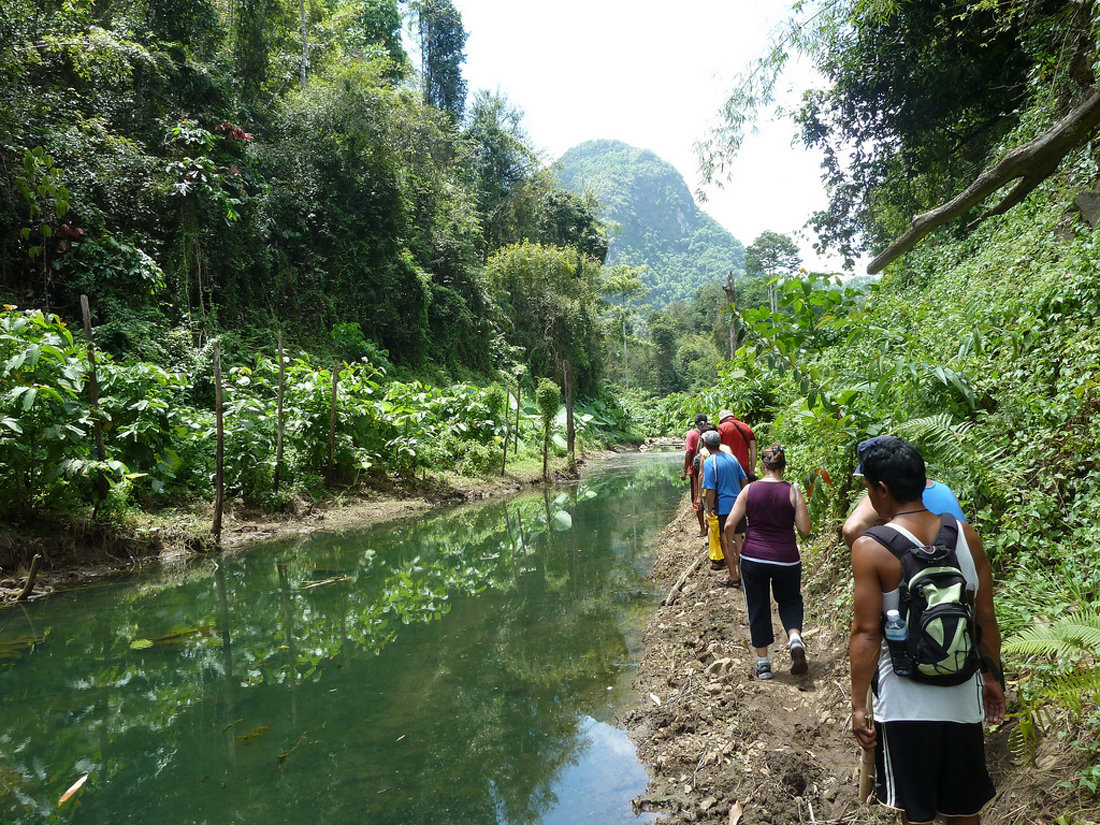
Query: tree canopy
{"type": "Point", "coordinates": [921, 96]}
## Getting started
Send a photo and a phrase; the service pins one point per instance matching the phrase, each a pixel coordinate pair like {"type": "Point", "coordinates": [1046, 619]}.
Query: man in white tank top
{"type": "Point", "coordinates": [928, 739]}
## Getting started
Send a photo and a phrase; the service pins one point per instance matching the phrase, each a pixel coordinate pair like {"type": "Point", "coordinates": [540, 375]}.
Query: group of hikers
{"type": "Point", "coordinates": [925, 645]}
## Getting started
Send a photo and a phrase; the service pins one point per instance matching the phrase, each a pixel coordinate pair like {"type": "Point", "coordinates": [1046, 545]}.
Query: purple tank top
{"type": "Point", "coordinates": [770, 534]}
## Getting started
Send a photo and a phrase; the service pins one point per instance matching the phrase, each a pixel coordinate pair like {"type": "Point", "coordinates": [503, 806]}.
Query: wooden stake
{"type": "Point", "coordinates": [279, 415]}
{"type": "Point", "coordinates": [93, 394]}
{"type": "Point", "coordinates": [867, 765]}
{"type": "Point", "coordinates": [507, 431]}
{"type": "Point", "coordinates": [332, 424]}
{"type": "Point", "coordinates": [570, 431]}
{"type": "Point", "coordinates": [219, 454]}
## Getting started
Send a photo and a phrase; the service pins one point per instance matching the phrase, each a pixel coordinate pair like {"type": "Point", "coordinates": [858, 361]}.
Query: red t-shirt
{"type": "Point", "coordinates": [736, 435]}
{"type": "Point", "coordinates": [691, 447]}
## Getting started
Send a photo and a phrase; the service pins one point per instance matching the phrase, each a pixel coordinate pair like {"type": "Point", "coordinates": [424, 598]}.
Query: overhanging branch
{"type": "Point", "coordinates": [1032, 163]}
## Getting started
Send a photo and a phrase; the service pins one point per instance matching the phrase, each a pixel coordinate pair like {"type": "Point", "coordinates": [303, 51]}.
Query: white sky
{"type": "Point", "coordinates": [653, 75]}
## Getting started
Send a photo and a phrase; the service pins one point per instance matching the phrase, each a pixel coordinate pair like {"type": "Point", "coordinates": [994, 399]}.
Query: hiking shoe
{"type": "Point", "coordinates": [764, 671]}
{"type": "Point", "coordinates": [718, 565]}
{"type": "Point", "coordinates": [798, 660]}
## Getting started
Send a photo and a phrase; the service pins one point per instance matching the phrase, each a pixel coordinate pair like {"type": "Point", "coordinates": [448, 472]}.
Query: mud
{"type": "Point", "coordinates": [723, 747]}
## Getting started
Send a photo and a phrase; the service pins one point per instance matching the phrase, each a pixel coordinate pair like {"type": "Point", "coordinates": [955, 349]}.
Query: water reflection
{"type": "Point", "coordinates": [463, 668]}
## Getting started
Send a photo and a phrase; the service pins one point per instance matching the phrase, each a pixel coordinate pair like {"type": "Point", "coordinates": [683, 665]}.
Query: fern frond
{"type": "Point", "coordinates": [1077, 632]}
{"type": "Point", "coordinates": [1040, 642]}
{"type": "Point", "coordinates": [1070, 688]}
{"type": "Point", "coordinates": [1023, 741]}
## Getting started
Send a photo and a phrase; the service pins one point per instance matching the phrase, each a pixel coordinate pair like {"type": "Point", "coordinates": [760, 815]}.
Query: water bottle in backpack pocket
{"type": "Point", "coordinates": [896, 632]}
{"type": "Point", "coordinates": [937, 603]}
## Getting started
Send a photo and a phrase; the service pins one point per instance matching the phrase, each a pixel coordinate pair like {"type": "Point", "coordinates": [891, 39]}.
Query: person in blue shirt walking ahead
{"type": "Point", "coordinates": [723, 477]}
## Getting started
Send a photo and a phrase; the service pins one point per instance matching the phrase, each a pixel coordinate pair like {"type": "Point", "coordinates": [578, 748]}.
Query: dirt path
{"type": "Point", "coordinates": [723, 747]}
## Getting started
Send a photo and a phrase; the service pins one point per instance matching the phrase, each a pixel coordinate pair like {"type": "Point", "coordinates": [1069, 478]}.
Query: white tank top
{"type": "Point", "coordinates": [901, 699]}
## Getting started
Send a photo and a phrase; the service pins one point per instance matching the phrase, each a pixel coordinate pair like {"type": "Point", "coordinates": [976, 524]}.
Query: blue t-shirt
{"type": "Point", "coordinates": [730, 476]}
{"type": "Point", "coordinates": [940, 499]}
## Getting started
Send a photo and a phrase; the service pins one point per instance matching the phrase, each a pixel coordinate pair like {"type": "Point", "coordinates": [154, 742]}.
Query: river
{"type": "Point", "coordinates": [465, 667]}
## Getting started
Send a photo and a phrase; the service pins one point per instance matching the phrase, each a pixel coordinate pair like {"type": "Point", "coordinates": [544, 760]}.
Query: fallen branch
{"type": "Point", "coordinates": [31, 576]}
{"type": "Point", "coordinates": [674, 593]}
{"type": "Point", "coordinates": [1033, 163]}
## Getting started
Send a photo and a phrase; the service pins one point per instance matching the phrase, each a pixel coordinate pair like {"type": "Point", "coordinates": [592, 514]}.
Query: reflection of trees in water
{"type": "Point", "coordinates": [506, 676]}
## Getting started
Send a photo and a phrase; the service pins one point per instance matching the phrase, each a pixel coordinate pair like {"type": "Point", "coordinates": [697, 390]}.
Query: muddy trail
{"type": "Point", "coordinates": [723, 747]}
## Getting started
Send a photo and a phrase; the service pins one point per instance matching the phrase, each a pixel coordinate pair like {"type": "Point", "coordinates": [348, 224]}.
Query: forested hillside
{"type": "Point", "coordinates": [200, 170]}
{"type": "Point", "coordinates": [655, 222]}
{"type": "Point", "coordinates": [275, 193]}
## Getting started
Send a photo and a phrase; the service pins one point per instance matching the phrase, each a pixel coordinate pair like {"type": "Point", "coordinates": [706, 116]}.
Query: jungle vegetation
{"type": "Point", "coordinates": [205, 173]}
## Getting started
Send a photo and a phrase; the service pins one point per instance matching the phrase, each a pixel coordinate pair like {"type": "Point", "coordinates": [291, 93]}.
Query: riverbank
{"type": "Point", "coordinates": [74, 555]}
{"type": "Point", "coordinates": [723, 747]}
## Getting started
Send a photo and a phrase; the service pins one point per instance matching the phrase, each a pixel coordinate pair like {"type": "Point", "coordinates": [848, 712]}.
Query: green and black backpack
{"type": "Point", "coordinates": [937, 604]}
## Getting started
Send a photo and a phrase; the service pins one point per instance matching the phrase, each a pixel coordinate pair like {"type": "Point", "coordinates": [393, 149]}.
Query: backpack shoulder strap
{"type": "Point", "coordinates": [949, 531]}
{"type": "Point", "coordinates": [891, 539]}
{"type": "Point", "coordinates": [899, 544]}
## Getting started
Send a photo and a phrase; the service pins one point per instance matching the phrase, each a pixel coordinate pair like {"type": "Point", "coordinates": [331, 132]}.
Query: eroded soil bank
{"type": "Point", "coordinates": [723, 747]}
{"type": "Point", "coordinates": [73, 555]}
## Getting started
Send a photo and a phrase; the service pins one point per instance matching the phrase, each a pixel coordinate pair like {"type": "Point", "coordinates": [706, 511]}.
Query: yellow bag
{"type": "Point", "coordinates": [715, 546]}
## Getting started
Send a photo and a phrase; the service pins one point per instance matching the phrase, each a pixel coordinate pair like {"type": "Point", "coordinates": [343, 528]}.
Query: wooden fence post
{"type": "Point", "coordinates": [519, 392]}
{"type": "Point", "coordinates": [93, 394]}
{"type": "Point", "coordinates": [507, 430]}
{"type": "Point", "coordinates": [219, 454]}
{"type": "Point", "coordinates": [279, 416]}
{"type": "Point", "coordinates": [570, 431]}
{"type": "Point", "coordinates": [332, 423]}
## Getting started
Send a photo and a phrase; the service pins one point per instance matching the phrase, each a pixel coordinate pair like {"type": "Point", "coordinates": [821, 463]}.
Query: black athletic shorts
{"type": "Point", "coordinates": [741, 527]}
{"type": "Point", "coordinates": [929, 768]}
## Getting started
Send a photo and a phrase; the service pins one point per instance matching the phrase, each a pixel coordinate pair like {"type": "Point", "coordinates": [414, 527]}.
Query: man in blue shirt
{"type": "Point", "coordinates": [722, 480]}
{"type": "Point", "coordinates": [937, 497]}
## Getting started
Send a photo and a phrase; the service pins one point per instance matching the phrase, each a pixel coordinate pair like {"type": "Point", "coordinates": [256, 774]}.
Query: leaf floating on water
{"type": "Point", "coordinates": [76, 786]}
{"type": "Point", "coordinates": [656, 699]}
{"type": "Point", "coordinates": [735, 813]}
{"type": "Point", "coordinates": [255, 733]}
{"type": "Point", "coordinates": [140, 644]}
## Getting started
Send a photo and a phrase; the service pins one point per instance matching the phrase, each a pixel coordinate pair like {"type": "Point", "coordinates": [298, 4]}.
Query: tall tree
{"type": "Point", "coordinates": [442, 53]}
{"type": "Point", "coordinates": [549, 310]}
{"type": "Point", "coordinates": [772, 255]}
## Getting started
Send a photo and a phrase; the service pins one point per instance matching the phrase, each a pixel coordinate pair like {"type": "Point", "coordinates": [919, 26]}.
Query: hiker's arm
{"type": "Point", "coordinates": [865, 641]}
{"type": "Point", "coordinates": [801, 512]}
{"type": "Point", "coordinates": [712, 500]}
{"type": "Point", "coordinates": [688, 456]}
{"type": "Point", "coordinates": [993, 695]}
{"type": "Point", "coordinates": [751, 469]}
{"type": "Point", "coordinates": [862, 518]}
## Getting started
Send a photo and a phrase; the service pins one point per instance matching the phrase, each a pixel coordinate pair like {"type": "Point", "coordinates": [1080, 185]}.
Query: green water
{"type": "Point", "coordinates": [462, 668]}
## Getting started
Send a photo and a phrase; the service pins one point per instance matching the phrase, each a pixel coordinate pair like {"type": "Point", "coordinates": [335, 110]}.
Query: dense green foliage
{"type": "Point", "coordinates": [656, 222]}
{"type": "Point", "coordinates": [159, 432]}
{"type": "Point", "coordinates": [163, 157]}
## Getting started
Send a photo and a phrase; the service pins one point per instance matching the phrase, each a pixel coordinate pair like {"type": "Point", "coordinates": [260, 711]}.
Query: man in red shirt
{"type": "Point", "coordinates": [739, 437]}
{"type": "Point", "coordinates": [691, 447]}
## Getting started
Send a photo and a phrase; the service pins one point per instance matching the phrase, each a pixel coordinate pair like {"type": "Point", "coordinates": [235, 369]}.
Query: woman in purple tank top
{"type": "Point", "coordinates": [770, 560]}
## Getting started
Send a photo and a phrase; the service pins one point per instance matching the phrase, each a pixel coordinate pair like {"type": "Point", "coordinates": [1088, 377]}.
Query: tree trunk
{"type": "Point", "coordinates": [1033, 163]}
